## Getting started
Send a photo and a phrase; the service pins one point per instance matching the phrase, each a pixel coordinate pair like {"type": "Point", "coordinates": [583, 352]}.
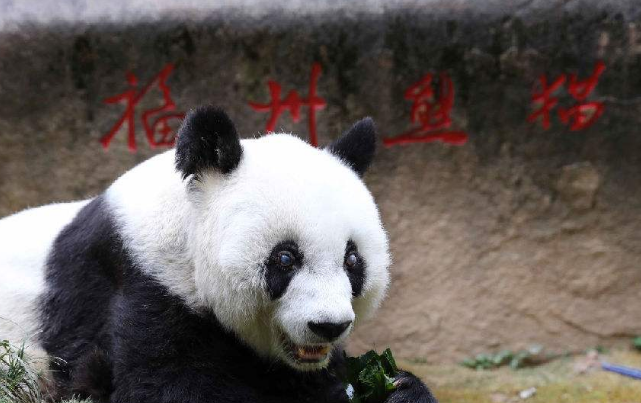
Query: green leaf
{"type": "Point", "coordinates": [372, 376]}
{"type": "Point", "coordinates": [354, 368]}
{"type": "Point", "coordinates": [389, 364]}
{"type": "Point", "coordinates": [637, 343]}
{"type": "Point", "coordinates": [368, 357]}
{"type": "Point", "coordinates": [389, 384]}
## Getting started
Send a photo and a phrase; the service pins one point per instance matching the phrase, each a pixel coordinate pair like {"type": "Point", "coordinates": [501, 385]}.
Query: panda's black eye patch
{"type": "Point", "coordinates": [355, 268]}
{"type": "Point", "coordinates": [281, 266]}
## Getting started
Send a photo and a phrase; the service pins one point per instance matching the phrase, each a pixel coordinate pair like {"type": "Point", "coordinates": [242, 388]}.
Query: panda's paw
{"type": "Point", "coordinates": [410, 389]}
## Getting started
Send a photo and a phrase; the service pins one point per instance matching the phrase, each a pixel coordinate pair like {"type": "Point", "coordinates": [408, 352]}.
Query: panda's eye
{"type": "Point", "coordinates": [354, 267]}
{"type": "Point", "coordinates": [351, 259]}
{"type": "Point", "coordinates": [285, 258]}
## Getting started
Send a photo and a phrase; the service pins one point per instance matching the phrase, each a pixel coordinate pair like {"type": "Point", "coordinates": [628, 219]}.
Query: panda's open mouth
{"type": "Point", "coordinates": [306, 354]}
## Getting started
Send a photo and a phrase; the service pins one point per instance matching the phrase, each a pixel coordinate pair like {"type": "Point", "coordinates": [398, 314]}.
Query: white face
{"type": "Point", "coordinates": [275, 243]}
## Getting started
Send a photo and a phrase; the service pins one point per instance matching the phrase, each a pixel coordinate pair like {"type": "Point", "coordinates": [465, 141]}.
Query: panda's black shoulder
{"type": "Point", "coordinates": [83, 273]}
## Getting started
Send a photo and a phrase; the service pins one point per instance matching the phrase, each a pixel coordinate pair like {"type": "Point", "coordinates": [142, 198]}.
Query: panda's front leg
{"type": "Point", "coordinates": [410, 389]}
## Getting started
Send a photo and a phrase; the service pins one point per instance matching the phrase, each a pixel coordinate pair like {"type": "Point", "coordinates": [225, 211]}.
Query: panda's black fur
{"type": "Point", "coordinates": [84, 274]}
{"type": "Point", "coordinates": [120, 336]}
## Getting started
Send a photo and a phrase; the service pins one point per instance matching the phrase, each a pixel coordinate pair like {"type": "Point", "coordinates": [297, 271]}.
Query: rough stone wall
{"type": "Point", "coordinates": [521, 236]}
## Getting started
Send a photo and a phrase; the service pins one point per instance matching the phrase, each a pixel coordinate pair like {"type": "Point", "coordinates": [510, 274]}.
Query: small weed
{"type": "Point", "coordinates": [519, 359]}
{"type": "Point", "coordinates": [19, 382]}
{"type": "Point", "coordinates": [637, 343]}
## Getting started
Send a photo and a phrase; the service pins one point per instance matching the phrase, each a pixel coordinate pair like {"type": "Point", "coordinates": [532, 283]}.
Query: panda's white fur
{"type": "Point", "coordinates": [212, 238]}
{"type": "Point", "coordinates": [25, 241]}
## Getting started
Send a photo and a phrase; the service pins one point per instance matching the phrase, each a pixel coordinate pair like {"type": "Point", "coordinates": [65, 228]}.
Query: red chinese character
{"type": "Point", "coordinates": [431, 112]}
{"type": "Point", "coordinates": [545, 98]}
{"type": "Point", "coordinates": [151, 126]}
{"type": "Point", "coordinates": [582, 115]}
{"type": "Point", "coordinates": [293, 103]}
{"type": "Point", "coordinates": [585, 114]}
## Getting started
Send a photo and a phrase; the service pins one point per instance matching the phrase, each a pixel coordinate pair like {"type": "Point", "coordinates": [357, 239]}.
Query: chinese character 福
{"type": "Point", "coordinates": [152, 127]}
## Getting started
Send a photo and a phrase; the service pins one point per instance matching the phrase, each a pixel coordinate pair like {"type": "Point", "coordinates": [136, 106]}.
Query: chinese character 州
{"type": "Point", "coordinates": [152, 126]}
{"type": "Point", "coordinates": [293, 102]}
{"type": "Point", "coordinates": [579, 116]}
{"type": "Point", "coordinates": [431, 113]}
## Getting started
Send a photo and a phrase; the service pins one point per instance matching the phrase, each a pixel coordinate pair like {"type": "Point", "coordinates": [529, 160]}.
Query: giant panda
{"type": "Point", "coordinates": [219, 271]}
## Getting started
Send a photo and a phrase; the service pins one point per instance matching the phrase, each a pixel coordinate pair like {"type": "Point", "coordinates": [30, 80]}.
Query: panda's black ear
{"type": "Point", "coordinates": [357, 146]}
{"type": "Point", "coordinates": [207, 139]}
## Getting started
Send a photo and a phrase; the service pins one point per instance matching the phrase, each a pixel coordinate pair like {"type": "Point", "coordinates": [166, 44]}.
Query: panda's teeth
{"type": "Point", "coordinates": [324, 350]}
{"type": "Point", "coordinates": [312, 352]}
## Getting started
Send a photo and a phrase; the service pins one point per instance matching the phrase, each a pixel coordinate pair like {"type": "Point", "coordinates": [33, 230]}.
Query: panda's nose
{"type": "Point", "coordinates": [328, 330]}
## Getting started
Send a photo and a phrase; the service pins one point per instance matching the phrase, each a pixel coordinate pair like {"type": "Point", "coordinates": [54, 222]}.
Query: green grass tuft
{"type": "Point", "coordinates": [19, 381]}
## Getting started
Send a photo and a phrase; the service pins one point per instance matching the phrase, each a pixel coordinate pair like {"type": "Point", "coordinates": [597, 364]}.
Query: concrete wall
{"type": "Point", "coordinates": [523, 235]}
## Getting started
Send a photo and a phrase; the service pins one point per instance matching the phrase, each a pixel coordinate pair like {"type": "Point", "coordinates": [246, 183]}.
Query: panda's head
{"type": "Point", "coordinates": [287, 243]}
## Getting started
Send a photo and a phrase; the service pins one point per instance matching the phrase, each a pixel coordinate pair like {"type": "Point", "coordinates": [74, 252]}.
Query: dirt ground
{"type": "Point", "coordinates": [555, 382]}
